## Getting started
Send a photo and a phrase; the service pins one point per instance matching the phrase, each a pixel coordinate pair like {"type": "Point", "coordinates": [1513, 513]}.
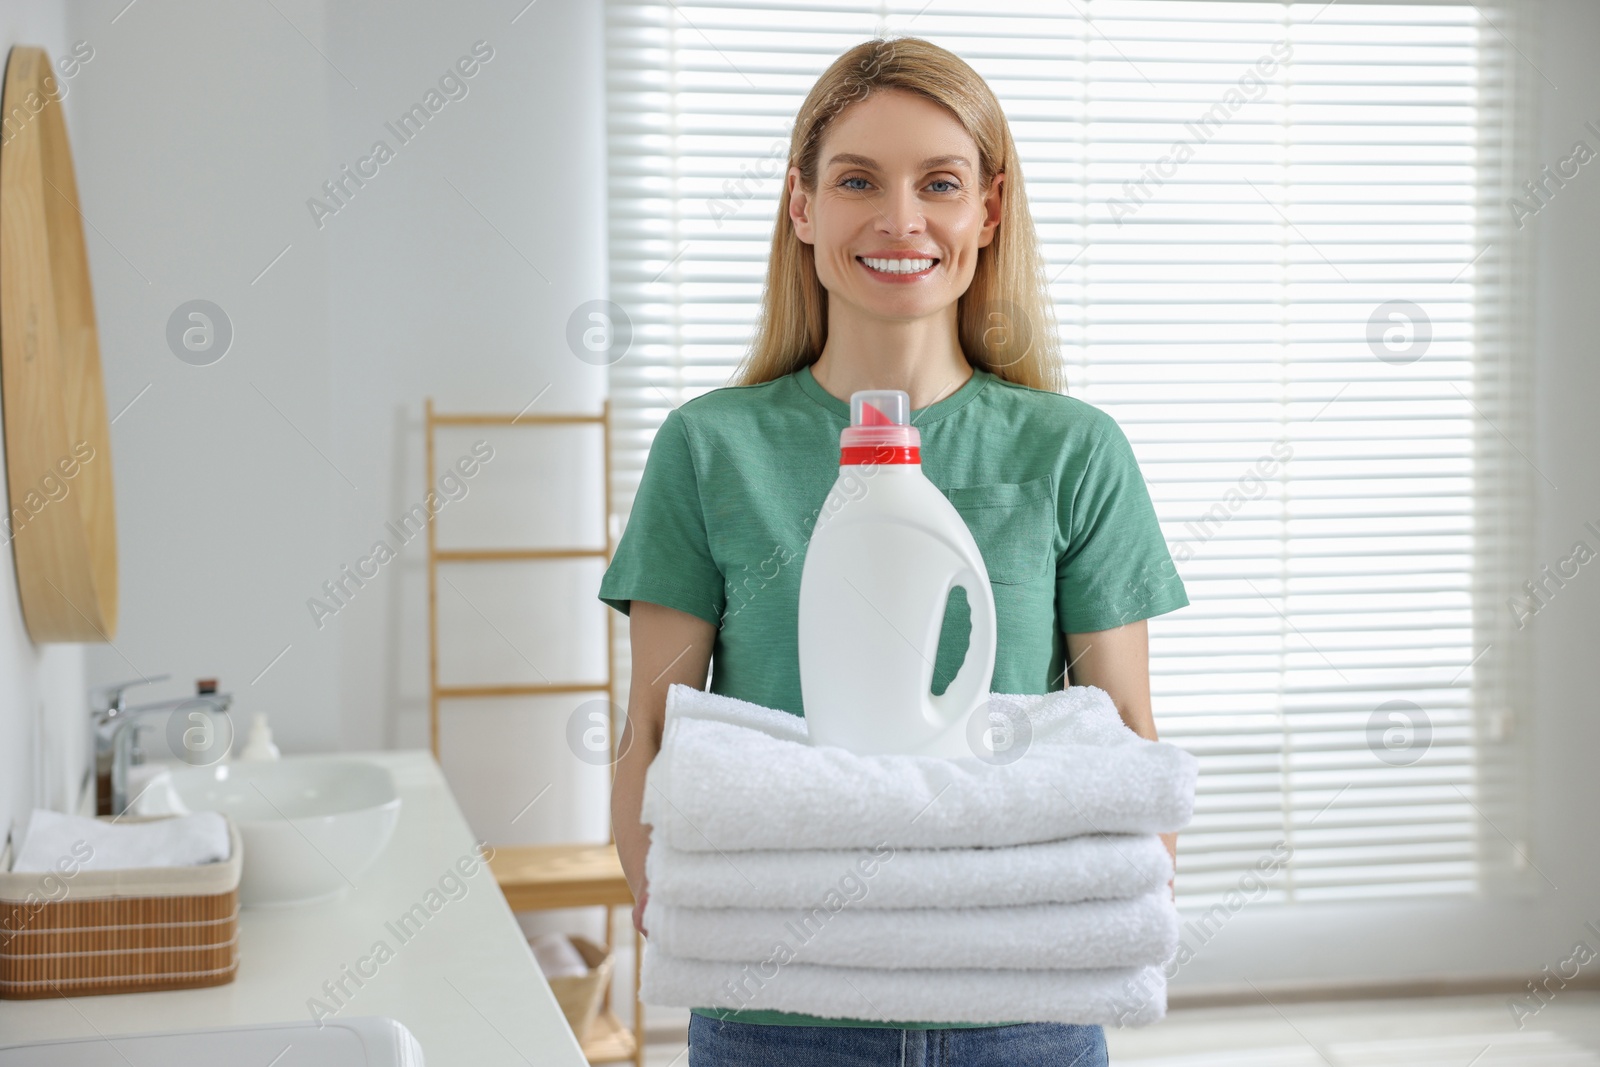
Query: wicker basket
{"type": "Point", "coordinates": [119, 931]}
{"type": "Point", "coordinates": [580, 995]}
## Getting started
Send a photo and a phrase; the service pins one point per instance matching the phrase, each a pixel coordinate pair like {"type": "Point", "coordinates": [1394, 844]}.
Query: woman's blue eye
{"type": "Point", "coordinates": [936, 181]}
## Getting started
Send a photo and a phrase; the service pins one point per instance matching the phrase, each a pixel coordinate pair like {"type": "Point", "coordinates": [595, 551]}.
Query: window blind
{"type": "Point", "coordinates": [1282, 257]}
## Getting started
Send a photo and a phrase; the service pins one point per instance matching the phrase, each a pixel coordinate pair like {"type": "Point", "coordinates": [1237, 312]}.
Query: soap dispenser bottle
{"type": "Point", "coordinates": [884, 554]}
{"type": "Point", "coordinates": [259, 746]}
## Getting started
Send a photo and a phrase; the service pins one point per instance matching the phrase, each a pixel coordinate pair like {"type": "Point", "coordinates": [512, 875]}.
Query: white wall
{"type": "Point", "coordinates": [201, 132]}
{"type": "Point", "coordinates": [201, 127]}
{"type": "Point", "coordinates": [452, 273]}
{"type": "Point", "coordinates": [243, 486]}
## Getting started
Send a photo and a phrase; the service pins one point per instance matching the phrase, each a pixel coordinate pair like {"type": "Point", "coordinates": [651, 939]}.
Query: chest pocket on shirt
{"type": "Point", "coordinates": [1014, 524]}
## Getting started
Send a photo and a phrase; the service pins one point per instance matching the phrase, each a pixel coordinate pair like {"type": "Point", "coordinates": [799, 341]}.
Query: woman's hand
{"type": "Point", "coordinates": [638, 910]}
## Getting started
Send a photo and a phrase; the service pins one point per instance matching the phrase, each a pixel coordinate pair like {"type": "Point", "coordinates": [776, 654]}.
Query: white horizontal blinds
{"type": "Point", "coordinates": [1227, 193]}
{"type": "Point", "coordinates": [1276, 300]}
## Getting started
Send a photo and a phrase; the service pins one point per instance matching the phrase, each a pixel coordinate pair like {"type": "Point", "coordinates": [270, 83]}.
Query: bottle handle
{"type": "Point", "coordinates": [971, 682]}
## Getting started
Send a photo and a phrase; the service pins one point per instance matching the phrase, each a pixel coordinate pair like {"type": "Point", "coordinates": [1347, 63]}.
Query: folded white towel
{"type": "Point", "coordinates": [731, 775]}
{"type": "Point", "coordinates": [1090, 867]}
{"type": "Point", "coordinates": [1127, 996]}
{"type": "Point", "coordinates": [1084, 935]}
{"type": "Point", "coordinates": [52, 838]}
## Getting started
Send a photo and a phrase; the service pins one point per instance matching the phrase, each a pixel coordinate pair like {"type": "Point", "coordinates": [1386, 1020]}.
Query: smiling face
{"type": "Point", "coordinates": [898, 214]}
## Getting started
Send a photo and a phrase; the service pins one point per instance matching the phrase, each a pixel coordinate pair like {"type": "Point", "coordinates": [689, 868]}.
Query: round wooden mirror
{"type": "Point", "coordinates": [62, 519]}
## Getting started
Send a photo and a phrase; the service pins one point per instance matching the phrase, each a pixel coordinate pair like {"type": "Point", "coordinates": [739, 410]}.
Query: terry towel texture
{"type": "Point", "coordinates": [1092, 867]}
{"type": "Point", "coordinates": [732, 775]}
{"type": "Point", "coordinates": [812, 879]}
{"type": "Point", "coordinates": [1090, 933]}
{"type": "Point", "coordinates": [1131, 996]}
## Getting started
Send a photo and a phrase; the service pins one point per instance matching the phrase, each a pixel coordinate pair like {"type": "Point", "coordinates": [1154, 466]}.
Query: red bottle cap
{"type": "Point", "coordinates": [879, 430]}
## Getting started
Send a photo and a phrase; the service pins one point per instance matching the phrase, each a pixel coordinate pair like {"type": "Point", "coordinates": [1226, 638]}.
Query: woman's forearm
{"type": "Point", "coordinates": [669, 646]}
{"type": "Point", "coordinates": [627, 797]}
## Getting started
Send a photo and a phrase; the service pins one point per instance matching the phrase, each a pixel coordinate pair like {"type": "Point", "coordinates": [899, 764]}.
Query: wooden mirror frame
{"type": "Point", "coordinates": [61, 521]}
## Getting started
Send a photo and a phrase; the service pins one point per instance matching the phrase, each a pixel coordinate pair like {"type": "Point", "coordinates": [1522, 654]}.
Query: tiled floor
{"type": "Point", "coordinates": [1475, 1031]}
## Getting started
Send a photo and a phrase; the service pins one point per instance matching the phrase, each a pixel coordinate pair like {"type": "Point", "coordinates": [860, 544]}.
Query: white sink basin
{"type": "Point", "coordinates": [311, 825]}
{"type": "Point", "coordinates": [368, 1040]}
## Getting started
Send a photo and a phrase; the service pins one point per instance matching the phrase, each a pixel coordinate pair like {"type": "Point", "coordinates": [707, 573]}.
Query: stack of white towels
{"type": "Point", "coordinates": [801, 878]}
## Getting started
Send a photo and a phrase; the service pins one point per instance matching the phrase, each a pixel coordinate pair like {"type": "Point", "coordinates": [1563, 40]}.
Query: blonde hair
{"type": "Point", "coordinates": [1005, 320]}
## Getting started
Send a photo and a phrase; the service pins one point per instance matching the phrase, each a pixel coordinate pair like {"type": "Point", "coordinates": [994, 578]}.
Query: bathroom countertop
{"type": "Point", "coordinates": [465, 983]}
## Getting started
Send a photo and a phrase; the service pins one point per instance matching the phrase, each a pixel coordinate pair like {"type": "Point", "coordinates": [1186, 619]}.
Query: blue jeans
{"type": "Point", "coordinates": [724, 1043]}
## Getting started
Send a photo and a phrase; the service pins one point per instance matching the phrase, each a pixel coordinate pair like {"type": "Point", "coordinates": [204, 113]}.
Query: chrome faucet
{"type": "Point", "coordinates": [115, 727]}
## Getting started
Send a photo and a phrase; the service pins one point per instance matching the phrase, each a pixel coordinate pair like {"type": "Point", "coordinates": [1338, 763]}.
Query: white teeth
{"type": "Point", "coordinates": [899, 266]}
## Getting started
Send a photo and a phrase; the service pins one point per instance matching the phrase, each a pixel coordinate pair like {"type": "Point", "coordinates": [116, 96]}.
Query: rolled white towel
{"type": "Point", "coordinates": [1088, 934]}
{"type": "Point", "coordinates": [731, 775]}
{"type": "Point", "coordinates": [1089, 867]}
{"type": "Point", "coordinates": [52, 838]}
{"type": "Point", "coordinates": [1124, 996]}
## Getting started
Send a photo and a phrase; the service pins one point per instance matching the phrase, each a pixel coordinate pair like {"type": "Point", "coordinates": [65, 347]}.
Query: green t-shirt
{"type": "Point", "coordinates": [1047, 484]}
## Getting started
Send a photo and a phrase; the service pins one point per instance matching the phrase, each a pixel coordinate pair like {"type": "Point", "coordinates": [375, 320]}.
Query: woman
{"type": "Point", "coordinates": [904, 258]}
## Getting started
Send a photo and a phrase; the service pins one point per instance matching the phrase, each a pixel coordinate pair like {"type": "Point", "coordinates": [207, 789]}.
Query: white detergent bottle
{"type": "Point", "coordinates": [887, 549]}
